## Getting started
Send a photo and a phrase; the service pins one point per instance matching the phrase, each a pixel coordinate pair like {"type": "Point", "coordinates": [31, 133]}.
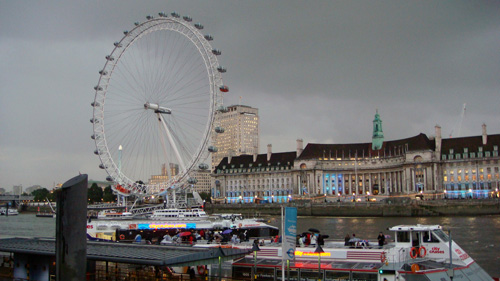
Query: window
{"type": "Point", "coordinates": [403, 236]}
{"type": "Point", "coordinates": [439, 233]}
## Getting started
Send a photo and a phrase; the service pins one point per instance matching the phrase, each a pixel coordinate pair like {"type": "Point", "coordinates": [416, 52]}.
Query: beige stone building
{"type": "Point", "coordinates": [434, 167]}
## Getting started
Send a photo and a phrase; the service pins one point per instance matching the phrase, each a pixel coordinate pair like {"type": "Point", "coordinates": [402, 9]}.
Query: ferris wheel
{"type": "Point", "coordinates": [155, 104]}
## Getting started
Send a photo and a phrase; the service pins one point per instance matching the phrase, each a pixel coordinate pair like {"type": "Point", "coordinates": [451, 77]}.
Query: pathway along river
{"type": "Point", "coordinates": [479, 236]}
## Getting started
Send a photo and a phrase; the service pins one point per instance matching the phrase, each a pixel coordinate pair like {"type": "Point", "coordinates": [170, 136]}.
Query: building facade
{"type": "Point", "coordinates": [241, 132]}
{"type": "Point", "coordinates": [465, 167]}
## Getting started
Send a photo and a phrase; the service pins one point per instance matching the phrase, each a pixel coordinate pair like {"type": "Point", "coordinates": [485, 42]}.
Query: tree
{"type": "Point", "coordinates": [40, 194]}
{"type": "Point", "coordinates": [206, 196]}
{"type": "Point", "coordinates": [108, 194]}
{"type": "Point", "coordinates": [94, 194]}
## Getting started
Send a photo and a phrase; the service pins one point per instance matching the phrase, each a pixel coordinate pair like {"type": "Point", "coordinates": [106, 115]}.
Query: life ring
{"type": "Point", "coordinates": [422, 252]}
{"type": "Point", "coordinates": [415, 267]}
{"type": "Point", "coordinates": [201, 270]}
{"type": "Point", "coordinates": [240, 225]}
{"type": "Point", "coordinates": [383, 257]}
{"type": "Point", "coordinates": [122, 237]}
{"type": "Point", "coordinates": [413, 253]}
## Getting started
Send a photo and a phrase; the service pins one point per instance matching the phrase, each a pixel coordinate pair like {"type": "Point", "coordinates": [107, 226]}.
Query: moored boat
{"type": "Point", "coordinates": [114, 215]}
{"type": "Point", "coordinates": [419, 252]}
{"type": "Point", "coordinates": [8, 212]}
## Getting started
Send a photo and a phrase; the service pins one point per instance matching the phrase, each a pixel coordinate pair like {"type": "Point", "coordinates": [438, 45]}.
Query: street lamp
{"type": "Point", "coordinates": [445, 194]}
{"type": "Point", "coordinates": [319, 250]}
{"type": "Point", "coordinates": [255, 248]}
{"type": "Point", "coordinates": [368, 196]}
{"type": "Point", "coordinates": [241, 199]}
{"type": "Point", "coordinates": [470, 190]}
{"type": "Point", "coordinates": [354, 197]}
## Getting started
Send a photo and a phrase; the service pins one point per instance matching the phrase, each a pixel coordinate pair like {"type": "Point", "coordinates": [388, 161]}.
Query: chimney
{"type": "Point", "coordinates": [269, 151]}
{"type": "Point", "coordinates": [485, 136]}
{"type": "Point", "coordinates": [437, 140]}
{"type": "Point", "coordinates": [300, 146]}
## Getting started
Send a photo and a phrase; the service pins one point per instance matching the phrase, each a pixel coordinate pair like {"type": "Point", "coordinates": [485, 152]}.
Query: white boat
{"type": "Point", "coordinates": [156, 228]}
{"type": "Point", "coordinates": [173, 214]}
{"type": "Point", "coordinates": [419, 252]}
{"type": "Point", "coordinates": [10, 212]}
{"type": "Point", "coordinates": [114, 215]}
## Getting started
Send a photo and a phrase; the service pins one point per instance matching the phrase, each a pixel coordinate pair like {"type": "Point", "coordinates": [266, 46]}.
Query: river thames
{"type": "Point", "coordinates": [479, 236]}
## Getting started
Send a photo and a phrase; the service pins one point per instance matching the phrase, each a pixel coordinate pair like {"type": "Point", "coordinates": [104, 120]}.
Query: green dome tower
{"type": "Point", "coordinates": [378, 134]}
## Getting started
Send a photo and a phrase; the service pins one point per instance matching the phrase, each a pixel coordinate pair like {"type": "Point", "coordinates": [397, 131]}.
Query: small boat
{"type": "Point", "coordinates": [45, 215]}
{"type": "Point", "coordinates": [8, 212]}
{"type": "Point", "coordinates": [113, 215]}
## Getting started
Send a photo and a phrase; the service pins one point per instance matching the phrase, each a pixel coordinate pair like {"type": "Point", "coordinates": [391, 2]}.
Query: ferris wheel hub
{"type": "Point", "coordinates": [157, 108]}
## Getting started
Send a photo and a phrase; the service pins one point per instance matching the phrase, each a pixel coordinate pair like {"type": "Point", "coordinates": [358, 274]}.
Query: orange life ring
{"type": "Point", "coordinates": [201, 270]}
{"type": "Point", "coordinates": [420, 252]}
{"type": "Point", "coordinates": [415, 267]}
{"type": "Point", "coordinates": [122, 237]}
{"type": "Point", "coordinates": [413, 253]}
{"type": "Point", "coordinates": [383, 257]}
{"type": "Point", "coordinates": [240, 225]}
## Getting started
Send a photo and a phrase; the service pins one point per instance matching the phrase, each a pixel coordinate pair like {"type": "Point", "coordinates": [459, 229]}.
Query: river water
{"type": "Point", "coordinates": [479, 236]}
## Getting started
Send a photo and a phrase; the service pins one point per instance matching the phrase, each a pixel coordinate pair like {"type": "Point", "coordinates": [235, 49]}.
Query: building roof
{"type": "Point", "coordinates": [471, 143]}
{"type": "Point", "coordinates": [128, 253]}
{"type": "Point", "coordinates": [395, 147]}
{"type": "Point", "coordinates": [283, 158]}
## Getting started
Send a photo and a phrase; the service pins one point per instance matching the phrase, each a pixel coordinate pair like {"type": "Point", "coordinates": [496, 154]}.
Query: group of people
{"type": "Point", "coordinates": [354, 241]}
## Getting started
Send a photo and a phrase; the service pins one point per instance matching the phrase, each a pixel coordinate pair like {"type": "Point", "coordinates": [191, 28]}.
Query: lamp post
{"type": "Point", "coordinates": [368, 196]}
{"type": "Point", "coordinates": [319, 250]}
{"type": "Point", "coordinates": [470, 190]}
{"type": "Point", "coordinates": [255, 248]}
{"type": "Point", "coordinates": [354, 197]}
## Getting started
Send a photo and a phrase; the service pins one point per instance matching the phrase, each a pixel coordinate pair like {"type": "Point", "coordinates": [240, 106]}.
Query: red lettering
{"type": "Point", "coordinates": [90, 226]}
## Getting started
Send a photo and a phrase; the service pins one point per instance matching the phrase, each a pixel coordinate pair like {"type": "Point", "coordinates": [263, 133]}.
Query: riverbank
{"type": "Point", "coordinates": [401, 208]}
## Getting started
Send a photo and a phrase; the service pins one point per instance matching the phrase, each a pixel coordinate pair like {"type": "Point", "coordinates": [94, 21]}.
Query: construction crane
{"type": "Point", "coordinates": [459, 123]}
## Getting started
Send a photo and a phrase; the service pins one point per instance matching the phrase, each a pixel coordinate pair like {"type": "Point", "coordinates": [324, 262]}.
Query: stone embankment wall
{"type": "Point", "coordinates": [406, 208]}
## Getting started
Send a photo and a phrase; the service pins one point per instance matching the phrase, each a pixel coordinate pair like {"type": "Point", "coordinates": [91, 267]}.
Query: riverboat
{"type": "Point", "coordinates": [9, 212]}
{"type": "Point", "coordinates": [154, 229]}
{"type": "Point", "coordinates": [174, 214]}
{"type": "Point", "coordinates": [419, 252]}
{"type": "Point", "coordinates": [113, 215]}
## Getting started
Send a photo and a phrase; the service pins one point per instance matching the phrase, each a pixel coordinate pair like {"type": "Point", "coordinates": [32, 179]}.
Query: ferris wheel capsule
{"type": "Point", "coordinates": [224, 89]}
{"type": "Point", "coordinates": [216, 52]}
{"type": "Point", "coordinates": [198, 25]}
{"type": "Point", "coordinates": [187, 18]}
{"type": "Point", "coordinates": [221, 69]}
{"type": "Point", "coordinates": [219, 130]}
{"type": "Point", "coordinates": [192, 181]}
{"type": "Point", "coordinates": [208, 37]}
{"type": "Point", "coordinates": [203, 166]}
{"type": "Point", "coordinates": [175, 15]}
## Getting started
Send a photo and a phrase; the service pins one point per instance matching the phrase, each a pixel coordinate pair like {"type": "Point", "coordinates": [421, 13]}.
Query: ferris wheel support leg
{"type": "Point", "coordinates": [171, 140]}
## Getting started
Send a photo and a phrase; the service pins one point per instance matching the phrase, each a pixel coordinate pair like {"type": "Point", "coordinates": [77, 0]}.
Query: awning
{"type": "Point", "coordinates": [156, 255]}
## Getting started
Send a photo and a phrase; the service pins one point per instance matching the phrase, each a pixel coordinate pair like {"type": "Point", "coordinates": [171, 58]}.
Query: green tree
{"type": "Point", "coordinates": [108, 194]}
{"type": "Point", "coordinates": [94, 194]}
{"type": "Point", "coordinates": [206, 196]}
{"type": "Point", "coordinates": [40, 194]}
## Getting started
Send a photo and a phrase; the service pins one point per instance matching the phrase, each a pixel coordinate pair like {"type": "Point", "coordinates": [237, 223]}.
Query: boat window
{"type": "Point", "coordinates": [430, 237]}
{"type": "Point", "coordinates": [439, 233]}
{"type": "Point", "coordinates": [403, 236]}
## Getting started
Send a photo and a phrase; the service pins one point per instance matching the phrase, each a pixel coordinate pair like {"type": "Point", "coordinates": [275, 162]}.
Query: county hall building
{"type": "Point", "coordinates": [464, 167]}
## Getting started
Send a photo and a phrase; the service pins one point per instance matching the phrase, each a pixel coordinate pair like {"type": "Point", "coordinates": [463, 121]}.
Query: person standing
{"type": "Point", "coordinates": [381, 239]}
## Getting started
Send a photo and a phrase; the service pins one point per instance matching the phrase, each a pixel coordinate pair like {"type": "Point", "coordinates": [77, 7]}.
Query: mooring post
{"type": "Point", "coordinates": [71, 230]}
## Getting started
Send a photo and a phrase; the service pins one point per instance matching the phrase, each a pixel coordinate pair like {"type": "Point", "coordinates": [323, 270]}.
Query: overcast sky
{"type": "Point", "coordinates": [316, 70]}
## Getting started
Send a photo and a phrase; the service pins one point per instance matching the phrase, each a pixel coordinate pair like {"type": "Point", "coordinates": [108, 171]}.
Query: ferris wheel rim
{"type": "Point", "coordinates": [190, 32]}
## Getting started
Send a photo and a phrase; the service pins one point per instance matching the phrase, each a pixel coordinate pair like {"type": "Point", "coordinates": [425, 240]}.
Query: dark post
{"type": "Point", "coordinates": [71, 229]}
